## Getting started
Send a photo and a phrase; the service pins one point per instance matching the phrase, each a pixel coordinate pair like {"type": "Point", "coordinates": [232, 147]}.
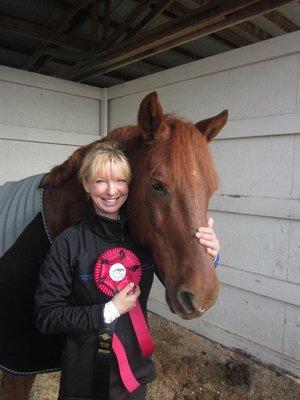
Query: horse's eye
{"type": "Point", "coordinates": [158, 187]}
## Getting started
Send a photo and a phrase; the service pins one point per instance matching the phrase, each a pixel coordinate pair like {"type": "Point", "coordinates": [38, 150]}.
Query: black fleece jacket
{"type": "Point", "coordinates": [68, 302]}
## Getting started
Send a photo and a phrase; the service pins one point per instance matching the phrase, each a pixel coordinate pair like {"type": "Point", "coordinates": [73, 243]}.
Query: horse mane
{"type": "Point", "coordinates": [184, 140]}
{"type": "Point", "coordinates": [63, 172]}
{"type": "Point", "coordinates": [69, 168]}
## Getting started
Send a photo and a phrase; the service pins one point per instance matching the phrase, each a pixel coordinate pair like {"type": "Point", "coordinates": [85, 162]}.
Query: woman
{"type": "Point", "coordinates": [69, 302]}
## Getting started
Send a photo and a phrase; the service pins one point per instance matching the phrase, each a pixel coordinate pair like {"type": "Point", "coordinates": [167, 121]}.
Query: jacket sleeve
{"type": "Point", "coordinates": [53, 312]}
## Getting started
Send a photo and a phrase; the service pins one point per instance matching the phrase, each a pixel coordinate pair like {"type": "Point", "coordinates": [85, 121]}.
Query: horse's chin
{"type": "Point", "coordinates": [176, 309]}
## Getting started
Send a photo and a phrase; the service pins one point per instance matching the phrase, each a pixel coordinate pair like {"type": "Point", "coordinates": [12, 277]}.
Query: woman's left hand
{"type": "Point", "coordinates": [208, 238]}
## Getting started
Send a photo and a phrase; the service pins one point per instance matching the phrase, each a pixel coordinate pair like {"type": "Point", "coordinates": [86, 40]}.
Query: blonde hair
{"type": "Point", "coordinates": [102, 155]}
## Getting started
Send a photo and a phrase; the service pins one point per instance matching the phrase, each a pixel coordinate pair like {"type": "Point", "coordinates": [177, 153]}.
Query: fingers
{"type": "Point", "coordinates": [127, 289]}
{"type": "Point", "coordinates": [205, 230]}
{"type": "Point", "coordinates": [211, 252]}
{"type": "Point", "coordinates": [207, 236]}
{"type": "Point", "coordinates": [210, 222]}
{"type": "Point", "coordinates": [125, 300]}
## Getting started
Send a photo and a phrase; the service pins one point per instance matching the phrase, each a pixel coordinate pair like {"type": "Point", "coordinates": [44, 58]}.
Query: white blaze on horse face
{"type": "Point", "coordinates": [108, 192]}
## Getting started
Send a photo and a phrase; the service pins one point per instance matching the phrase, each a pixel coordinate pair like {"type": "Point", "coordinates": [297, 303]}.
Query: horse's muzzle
{"type": "Point", "coordinates": [185, 305]}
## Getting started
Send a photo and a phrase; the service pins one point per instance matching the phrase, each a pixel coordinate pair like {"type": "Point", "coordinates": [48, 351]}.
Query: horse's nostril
{"type": "Point", "coordinates": [185, 299]}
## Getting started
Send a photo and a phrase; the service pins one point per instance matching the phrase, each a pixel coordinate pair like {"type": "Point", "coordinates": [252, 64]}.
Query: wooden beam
{"type": "Point", "coordinates": [107, 21]}
{"type": "Point", "coordinates": [129, 21]}
{"type": "Point", "coordinates": [63, 54]}
{"type": "Point", "coordinates": [170, 35]}
{"type": "Point", "coordinates": [254, 30]}
{"type": "Point", "coordinates": [156, 11]}
{"type": "Point", "coordinates": [42, 33]}
{"type": "Point", "coordinates": [15, 47]}
{"type": "Point", "coordinates": [61, 27]}
{"type": "Point", "coordinates": [226, 36]}
{"type": "Point", "coordinates": [61, 4]}
{"type": "Point", "coordinates": [280, 20]}
{"type": "Point", "coordinates": [186, 53]}
{"type": "Point", "coordinates": [232, 38]}
{"type": "Point", "coordinates": [94, 20]}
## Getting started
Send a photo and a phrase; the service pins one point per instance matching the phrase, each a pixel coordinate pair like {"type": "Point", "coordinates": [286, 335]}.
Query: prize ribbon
{"type": "Point", "coordinates": [114, 269]}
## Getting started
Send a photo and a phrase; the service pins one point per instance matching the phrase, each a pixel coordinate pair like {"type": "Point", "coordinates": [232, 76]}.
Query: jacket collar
{"type": "Point", "coordinates": [109, 229]}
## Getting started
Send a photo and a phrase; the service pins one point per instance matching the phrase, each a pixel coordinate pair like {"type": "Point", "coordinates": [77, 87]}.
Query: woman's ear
{"type": "Point", "coordinates": [86, 185]}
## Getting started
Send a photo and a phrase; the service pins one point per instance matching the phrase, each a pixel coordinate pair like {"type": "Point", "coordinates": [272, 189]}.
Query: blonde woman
{"type": "Point", "coordinates": [69, 302]}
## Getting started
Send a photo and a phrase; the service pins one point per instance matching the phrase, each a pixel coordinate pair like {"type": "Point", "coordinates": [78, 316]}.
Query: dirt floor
{"type": "Point", "coordinates": [190, 367]}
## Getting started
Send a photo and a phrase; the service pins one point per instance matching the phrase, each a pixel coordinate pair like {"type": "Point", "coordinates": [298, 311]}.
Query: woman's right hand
{"type": "Point", "coordinates": [125, 299]}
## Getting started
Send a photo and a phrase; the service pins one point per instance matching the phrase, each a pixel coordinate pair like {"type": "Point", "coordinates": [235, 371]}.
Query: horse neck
{"type": "Point", "coordinates": [64, 205]}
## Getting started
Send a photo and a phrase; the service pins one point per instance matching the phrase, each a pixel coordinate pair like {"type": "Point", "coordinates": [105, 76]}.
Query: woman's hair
{"type": "Point", "coordinates": [103, 155]}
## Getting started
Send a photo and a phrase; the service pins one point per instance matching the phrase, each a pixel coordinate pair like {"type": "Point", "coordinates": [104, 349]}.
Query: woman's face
{"type": "Point", "coordinates": [108, 192]}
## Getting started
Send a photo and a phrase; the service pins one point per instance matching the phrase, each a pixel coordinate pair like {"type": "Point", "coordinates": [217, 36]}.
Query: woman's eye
{"type": "Point", "coordinates": [158, 186]}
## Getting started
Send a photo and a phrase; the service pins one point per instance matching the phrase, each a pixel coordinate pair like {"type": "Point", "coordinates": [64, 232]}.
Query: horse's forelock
{"type": "Point", "coordinates": [184, 149]}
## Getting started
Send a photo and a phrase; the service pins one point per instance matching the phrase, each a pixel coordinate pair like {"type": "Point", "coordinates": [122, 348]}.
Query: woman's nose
{"type": "Point", "coordinates": [111, 188]}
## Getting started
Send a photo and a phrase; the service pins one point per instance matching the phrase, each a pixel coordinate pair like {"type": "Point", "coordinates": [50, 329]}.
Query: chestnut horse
{"type": "Point", "coordinates": [173, 178]}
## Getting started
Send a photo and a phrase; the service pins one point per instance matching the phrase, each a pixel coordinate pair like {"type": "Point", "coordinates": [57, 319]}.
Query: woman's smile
{"type": "Point", "coordinates": [108, 192]}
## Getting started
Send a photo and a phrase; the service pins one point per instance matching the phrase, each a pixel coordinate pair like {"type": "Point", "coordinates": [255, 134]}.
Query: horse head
{"type": "Point", "coordinates": [173, 180]}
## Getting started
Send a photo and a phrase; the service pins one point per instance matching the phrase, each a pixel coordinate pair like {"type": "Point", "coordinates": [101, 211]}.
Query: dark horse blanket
{"type": "Point", "coordinates": [23, 246]}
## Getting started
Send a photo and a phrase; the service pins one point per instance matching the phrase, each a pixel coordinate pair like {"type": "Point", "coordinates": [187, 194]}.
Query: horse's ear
{"type": "Point", "coordinates": [211, 127]}
{"type": "Point", "coordinates": [150, 116]}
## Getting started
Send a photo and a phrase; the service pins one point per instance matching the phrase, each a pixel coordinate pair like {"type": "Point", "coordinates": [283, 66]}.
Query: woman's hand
{"type": "Point", "coordinates": [125, 299]}
{"type": "Point", "coordinates": [208, 238]}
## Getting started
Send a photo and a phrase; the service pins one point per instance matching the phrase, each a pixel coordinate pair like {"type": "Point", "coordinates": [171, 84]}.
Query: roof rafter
{"type": "Point", "coordinates": [226, 35]}
{"type": "Point", "coordinates": [130, 20]}
{"type": "Point", "coordinates": [171, 34]}
{"type": "Point", "coordinates": [279, 19]}
{"type": "Point", "coordinates": [254, 30]}
{"type": "Point", "coordinates": [42, 33]}
{"type": "Point", "coordinates": [157, 10]}
{"type": "Point", "coordinates": [61, 27]}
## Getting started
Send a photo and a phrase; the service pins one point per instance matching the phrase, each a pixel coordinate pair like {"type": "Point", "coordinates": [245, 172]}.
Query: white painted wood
{"type": "Point", "coordinates": [294, 259]}
{"type": "Point", "coordinates": [257, 207]}
{"type": "Point", "coordinates": [104, 113]}
{"type": "Point", "coordinates": [21, 159]}
{"type": "Point", "coordinates": [298, 92]}
{"type": "Point", "coordinates": [273, 288]}
{"type": "Point", "coordinates": [31, 79]}
{"type": "Point", "coordinates": [264, 206]}
{"type": "Point", "coordinates": [266, 50]}
{"type": "Point", "coordinates": [265, 166]}
{"type": "Point", "coordinates": [263, 251]}
{"type": "Point", "coordinates": [39, 108]}
{"type": "Point", "coordinates": [269, 125]}
{"type": "Point", "coordinates": [230, 339]}
{"type": "Point", "coordinates": [39, 135]}
{"type": "Point", "coordinates": [250, 91]}
{"type": "Point", "coordinates": [292, 332]}
{"type": "Point", "coordinates": [244, 313]}
{"type": "Point", "coordinates": [296, 178]}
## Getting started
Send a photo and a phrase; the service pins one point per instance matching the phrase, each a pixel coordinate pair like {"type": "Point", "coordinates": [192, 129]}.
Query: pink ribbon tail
{"type": "Point", "coordinates": [141, 330]}
{"type": "Point", "coordinates": [127, 376]}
